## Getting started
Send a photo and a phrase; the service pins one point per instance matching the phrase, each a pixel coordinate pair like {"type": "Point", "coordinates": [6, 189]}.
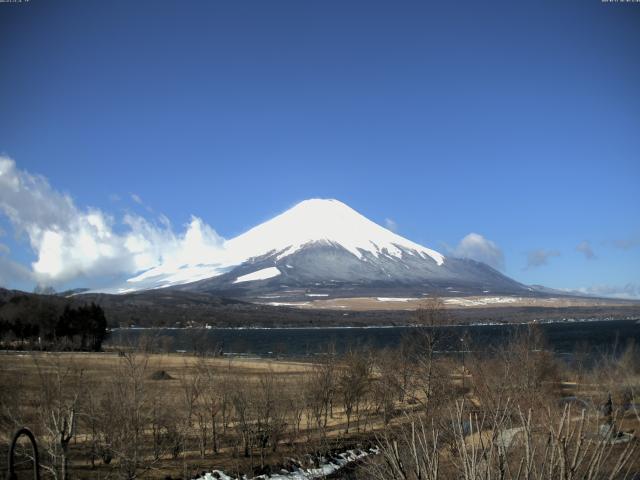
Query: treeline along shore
{"type": "Point", "coordinates": [39, 322]}
{"type": "Point", "coordinates": [177, 309]}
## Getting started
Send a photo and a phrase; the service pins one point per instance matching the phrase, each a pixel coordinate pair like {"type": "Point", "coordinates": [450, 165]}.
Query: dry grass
{"type": "Point", "coordinates": [508, 374]}
{"type": "Point", "coordinates": [24, 372]}
{"type": "Point", "coordinates": [473, 302]}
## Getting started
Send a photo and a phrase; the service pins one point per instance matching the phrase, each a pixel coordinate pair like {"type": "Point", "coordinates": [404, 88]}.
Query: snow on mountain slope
{"type": "Point", "coordinates": [315, 221]}
{"type": "Point", "coordinates": [323, 220]}
{"type": "Point", "coordinates": [263, 274]}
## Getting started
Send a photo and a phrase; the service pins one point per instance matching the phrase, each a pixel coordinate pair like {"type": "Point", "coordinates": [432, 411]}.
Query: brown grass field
{"type": "Point", "coordinates": [113, 389]}
{"type": "Point", "coordinates": [21, 379]}
{"type": "Point", "coordinates": [362, 304]}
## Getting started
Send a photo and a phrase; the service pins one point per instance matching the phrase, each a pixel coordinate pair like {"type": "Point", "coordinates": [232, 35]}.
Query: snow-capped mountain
{"type": "Point", "coordinates": [328, 221]}
{"type": "Point", "coordinates": [325, 248]}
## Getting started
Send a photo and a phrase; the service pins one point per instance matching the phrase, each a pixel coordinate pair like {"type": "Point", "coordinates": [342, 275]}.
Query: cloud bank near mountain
{"type": "Point", "coordinates": [70, 242]}
{"type": "Point", "coordinates": [540, 257]}
{"type": "Point", "coordinates": [88, 245]}
{"type": "Point", "coordinates": [627, 291]}
{"type": "Point", "coordinates": [477, 247]}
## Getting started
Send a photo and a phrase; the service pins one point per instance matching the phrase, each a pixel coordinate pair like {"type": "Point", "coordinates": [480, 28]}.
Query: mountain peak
{"type": "Point", "coordinates": [320, 217]}
{"type": "Point", "coordinates": [320, 204]}
{"type": "Point", "coordinates": [319, 201]}
{"type": "Point", "coordinates": [326, 220]}
{"type": "Point", "coordinates": [312, 221]}
{"type": "Point", "coordinates": [325, 210]}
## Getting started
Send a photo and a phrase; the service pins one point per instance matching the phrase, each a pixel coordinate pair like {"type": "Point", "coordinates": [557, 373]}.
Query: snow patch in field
{"type": "Point", "coordinates": [395, 299]}
{"type": "Point", "coordinates": [473, 302]}
{"type": "Point", "coordinates": [287, 304]}
{"type": "Point", "coordinates": [327, 466]}
{"type": "Point", "coordinates": [263, 274]}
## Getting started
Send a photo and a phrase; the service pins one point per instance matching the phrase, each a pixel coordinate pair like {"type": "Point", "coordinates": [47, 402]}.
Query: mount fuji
{"type": "Point", "coordinates": [324, 248]}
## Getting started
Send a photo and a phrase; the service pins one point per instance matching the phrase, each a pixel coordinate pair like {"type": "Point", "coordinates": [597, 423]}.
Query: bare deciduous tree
{"type": "Point", "coordinates": [58, 405]}
{"type": "Point", "coordinates": [352, 382]}
{"type": "Point", "coordinates": [126, 411]}
{"type": "Point", "coordinates": [494, 447]}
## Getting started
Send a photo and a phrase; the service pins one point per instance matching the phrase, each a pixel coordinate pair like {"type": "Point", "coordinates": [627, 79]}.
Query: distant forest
{"type": "Point", "coordinates": [50, 323]}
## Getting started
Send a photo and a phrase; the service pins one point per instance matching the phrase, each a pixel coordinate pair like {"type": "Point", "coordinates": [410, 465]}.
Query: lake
{"type": "Point", "coordinates": [595, 336]}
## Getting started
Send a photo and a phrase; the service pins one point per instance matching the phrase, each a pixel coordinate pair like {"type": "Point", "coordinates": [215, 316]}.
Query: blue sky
{"type": "Point", "coordinates": [517, 121]}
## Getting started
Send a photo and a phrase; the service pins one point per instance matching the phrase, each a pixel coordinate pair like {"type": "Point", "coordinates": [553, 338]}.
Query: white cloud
{"type": "Point", "coordinates": [136, 198]}
{"type": "Point", "coordinates": [391, 224]}
{"type": "Point", "coordinates": [629, 291]}
{"type": "Point", "coordinates": [627, 243]}
{"type": "Point", "coordinates": [539, 257]}
{"type": "Point", "coordinates": [585, 248]}
{"type": "Point", "coordinates": [476, 247]}
{"type": "Point", "coordinates": [70, 242]}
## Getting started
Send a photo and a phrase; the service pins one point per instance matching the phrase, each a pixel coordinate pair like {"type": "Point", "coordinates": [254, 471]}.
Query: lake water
{"type": "Point", "coordinates": [602, 336]}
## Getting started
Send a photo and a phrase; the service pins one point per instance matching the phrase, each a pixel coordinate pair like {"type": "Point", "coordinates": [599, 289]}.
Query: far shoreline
{"type": "Point", "coordinates": [366, 327]}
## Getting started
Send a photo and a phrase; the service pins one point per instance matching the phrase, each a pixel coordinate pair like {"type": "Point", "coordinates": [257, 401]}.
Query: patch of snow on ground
{"type": "Point", "coordinates": [287, 304]}
{"type": "Point", "coordinates": [395, 299]}
{"type": "Point", "coordinates": [263, 274]}
{"type": "Point", "coordinates": [327, 466]}
{"type": "Point", "coordinates": [472, 302]}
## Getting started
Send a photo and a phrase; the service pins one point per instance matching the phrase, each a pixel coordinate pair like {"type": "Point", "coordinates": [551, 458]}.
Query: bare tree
{"type": "Point", "coordinates": [210, 405]}
{"type": "Point", "coordinates": [241, 401]}
{"type": "Point", "coordinates": [430, 317]}
{"type": "Point", "coordinates": [321, 389]}
{"type": "Point", "coordinates": [57, 409]}
{"type": "Point", "coordinates": [404, 365]}
{"type": "Point", "coordinates": [494, 447]}
{"type": "Point", "coordinates": [126, 411]}
{"type": "Point", "coordinates": [353, 380]}
{"type": "Point", "coordinates": [523, 370]}
{"type": "Point", "coordinates": [388, 384]}
{"type": "Point", "coordinates": [270, 412]}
